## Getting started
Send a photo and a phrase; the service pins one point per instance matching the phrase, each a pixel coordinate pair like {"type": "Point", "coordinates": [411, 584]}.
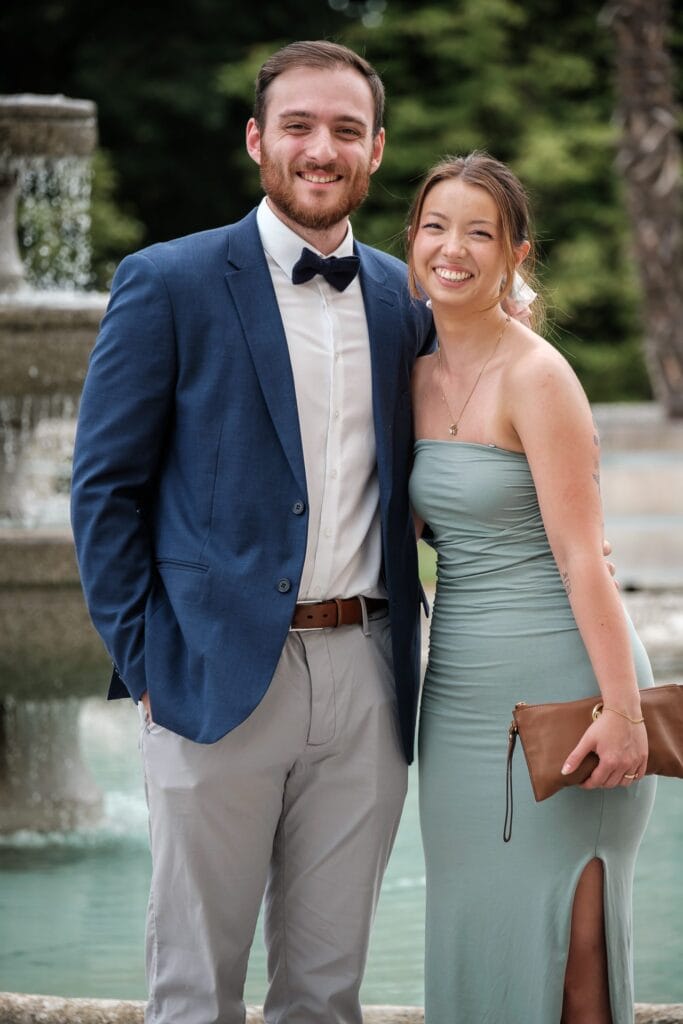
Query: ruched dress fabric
{"type": "Point", "coordinates": [502, 631]}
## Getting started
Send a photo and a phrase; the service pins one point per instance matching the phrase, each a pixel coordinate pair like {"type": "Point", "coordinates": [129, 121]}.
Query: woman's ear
{"type": "Point", "coordinates": [521, 252]}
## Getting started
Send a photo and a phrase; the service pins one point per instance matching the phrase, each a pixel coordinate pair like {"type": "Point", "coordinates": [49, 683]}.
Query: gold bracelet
{"type": "Point", "coordinates": [633, 721]}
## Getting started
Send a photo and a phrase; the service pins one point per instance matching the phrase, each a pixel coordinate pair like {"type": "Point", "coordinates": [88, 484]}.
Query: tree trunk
{"type": "Point", "coordinates": [649, 159]}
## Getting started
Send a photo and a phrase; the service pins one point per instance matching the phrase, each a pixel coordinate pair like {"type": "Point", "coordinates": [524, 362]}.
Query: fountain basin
{"type": "Point", "coordinates": [22, 1009]}
{"type": "Point", "coordinates": [49, 647]}
{"type": "Point", "coordinates": [50, 658]}
{"type": "Point", "coordinates": [56, 125]}
{"type": "Point", "coordinates": [45, 340]}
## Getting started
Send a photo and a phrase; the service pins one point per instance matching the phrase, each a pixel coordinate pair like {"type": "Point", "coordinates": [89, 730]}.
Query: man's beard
{"type": "Point", "coordinates": [281, 190]}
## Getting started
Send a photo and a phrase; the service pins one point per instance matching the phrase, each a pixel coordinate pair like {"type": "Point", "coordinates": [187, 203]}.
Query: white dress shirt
{"type": "Point", "coordinates": [327, 336]}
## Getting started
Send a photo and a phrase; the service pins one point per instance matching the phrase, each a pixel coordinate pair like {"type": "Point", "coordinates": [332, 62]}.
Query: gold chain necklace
{"type": "Point", "coordinates": [455, 422]}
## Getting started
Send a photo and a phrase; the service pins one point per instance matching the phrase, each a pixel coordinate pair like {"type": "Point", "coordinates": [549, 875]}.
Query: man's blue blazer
{"type": "Point", "coordinates": [189, 502]}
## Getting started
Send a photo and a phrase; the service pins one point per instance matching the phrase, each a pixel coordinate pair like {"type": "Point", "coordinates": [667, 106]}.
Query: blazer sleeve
{"type": "Point", "coordinates": [428, 334]}
{"type": "Point", "coordinates": [124, 414]}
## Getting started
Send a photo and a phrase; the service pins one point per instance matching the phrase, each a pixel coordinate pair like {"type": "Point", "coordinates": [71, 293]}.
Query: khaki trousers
{"type": "Point", "coordinates": [302, 802]}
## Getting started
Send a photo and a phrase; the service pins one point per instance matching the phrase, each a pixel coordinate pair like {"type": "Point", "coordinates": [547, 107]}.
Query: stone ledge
{"type": "Point", "coordinates": [23, 1009]}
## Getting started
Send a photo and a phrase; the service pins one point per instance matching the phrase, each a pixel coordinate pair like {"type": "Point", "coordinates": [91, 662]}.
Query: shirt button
{"type": "Point", "coordinates": [333, 474]}
{"type": "Point", "coordinates": [336, 414]}
{"type": "Point", "coordinates": [328, 533]}
{"type": "Point", "coordinates": [298, 508]}
{"type": "Point", "coordinates": [284, 586]}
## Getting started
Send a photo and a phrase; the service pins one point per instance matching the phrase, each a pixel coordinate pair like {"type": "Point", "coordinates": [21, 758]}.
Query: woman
{"type": "Point", "coordinates": [506, 477]}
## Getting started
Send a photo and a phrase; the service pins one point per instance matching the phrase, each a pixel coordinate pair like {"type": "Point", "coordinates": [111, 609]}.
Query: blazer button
{"type": "Point", "coordinates": [284, 586]}
{"type": "Point", "coordinates": [298, 508]}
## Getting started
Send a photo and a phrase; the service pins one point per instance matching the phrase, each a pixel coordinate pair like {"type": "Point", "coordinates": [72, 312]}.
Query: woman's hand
{"type": "Point", "coordinates": [621, 747]}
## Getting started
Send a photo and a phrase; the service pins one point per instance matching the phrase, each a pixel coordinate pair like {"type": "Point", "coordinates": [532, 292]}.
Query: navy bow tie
{"type": "Point", "coordinates": [338, 270]}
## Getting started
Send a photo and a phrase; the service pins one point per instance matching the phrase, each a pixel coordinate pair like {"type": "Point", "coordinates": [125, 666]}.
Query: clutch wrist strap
{"type": "Point", "coordinates": [622, 714]}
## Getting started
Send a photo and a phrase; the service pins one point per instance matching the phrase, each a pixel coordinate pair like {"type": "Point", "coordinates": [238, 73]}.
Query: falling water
{"type": "Point", "coordinates": [54, 220]}
{"type": "Point", "coordinates": [37, 434]}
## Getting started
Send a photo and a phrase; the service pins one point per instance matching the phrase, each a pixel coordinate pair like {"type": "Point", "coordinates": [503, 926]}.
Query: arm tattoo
{"type": "Point", "coordinates": [596, 439]}
{"type": "Point", "coordinates": [567, 583]}
{"type": "Point", "coordinates": [596, 463]}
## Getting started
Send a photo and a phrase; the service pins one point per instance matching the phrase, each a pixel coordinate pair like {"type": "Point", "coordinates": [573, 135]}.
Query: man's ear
{"type": "Point", "coordinates": [377, 150]}
{"type": "Point", "coordinates": [253, 140]}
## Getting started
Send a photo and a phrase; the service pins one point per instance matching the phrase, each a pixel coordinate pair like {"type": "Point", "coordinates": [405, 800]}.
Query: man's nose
{"type": "Point", "coordinates": [322, 147]}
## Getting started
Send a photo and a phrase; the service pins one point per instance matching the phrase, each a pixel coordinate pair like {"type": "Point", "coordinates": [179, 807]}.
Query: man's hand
{"type": "Point", "coordinates": [144, 700]}
{"type": "Point", "coordinates": [607, 550]}
{"type": "Point", "coordinates": [517, 310]}
{"type": "Point", "coordinates": [518, 303]}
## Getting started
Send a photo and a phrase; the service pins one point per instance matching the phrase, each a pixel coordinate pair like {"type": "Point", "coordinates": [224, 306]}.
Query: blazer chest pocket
{"type": "Point", "coordinates": [183, 581]}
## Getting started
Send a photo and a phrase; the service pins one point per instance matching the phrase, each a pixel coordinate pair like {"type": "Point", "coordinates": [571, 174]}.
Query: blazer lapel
{"type": "Point", "coordinates": [383, 312]}
{"type": "Point", "coordinates": [251, 287]}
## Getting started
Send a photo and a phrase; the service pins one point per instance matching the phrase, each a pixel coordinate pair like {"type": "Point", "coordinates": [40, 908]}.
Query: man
{"type": "Point", "coordinates": [242, 526]}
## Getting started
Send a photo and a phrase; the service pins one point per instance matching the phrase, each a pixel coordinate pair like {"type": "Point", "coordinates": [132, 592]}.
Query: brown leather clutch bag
{"type": "Point", "coordinates": [549, 732]}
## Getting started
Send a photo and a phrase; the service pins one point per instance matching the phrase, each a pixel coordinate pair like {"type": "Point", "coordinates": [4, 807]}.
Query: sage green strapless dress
{"type": "Point", "coordinates": [502, 630]}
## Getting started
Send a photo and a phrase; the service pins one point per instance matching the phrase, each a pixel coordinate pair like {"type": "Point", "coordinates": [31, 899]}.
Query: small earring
{"type": "Point", "coordinates": [428, 303]}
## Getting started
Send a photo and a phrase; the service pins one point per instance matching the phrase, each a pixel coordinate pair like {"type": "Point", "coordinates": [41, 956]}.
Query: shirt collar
{"type": "Point", "coordinates": [284, 246]}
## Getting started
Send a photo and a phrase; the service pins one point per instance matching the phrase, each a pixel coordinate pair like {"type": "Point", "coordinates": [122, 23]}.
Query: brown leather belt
{"type": "Point", "coordinates": [338, 612]}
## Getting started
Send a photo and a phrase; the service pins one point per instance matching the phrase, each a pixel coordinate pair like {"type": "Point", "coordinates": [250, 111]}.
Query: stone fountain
{"type": "Point", "coordinates": [50, 656]}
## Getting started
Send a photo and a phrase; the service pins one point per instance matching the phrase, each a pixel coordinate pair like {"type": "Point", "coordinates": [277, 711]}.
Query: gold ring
{"type": "Point", "coordinates": [627, 776]}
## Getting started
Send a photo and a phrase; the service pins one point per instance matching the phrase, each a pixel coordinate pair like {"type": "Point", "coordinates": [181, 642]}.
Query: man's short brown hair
{"type": "Point", "coordinates": [317, 54]}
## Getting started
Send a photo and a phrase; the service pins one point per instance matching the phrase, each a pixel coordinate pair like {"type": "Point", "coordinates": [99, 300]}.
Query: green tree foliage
{"type": "Point", "coordinates": [113, 229]}
{"type": "Point", "coordinates": [153, 71]}
{"type": "Point", "coordinates": [531, 81]}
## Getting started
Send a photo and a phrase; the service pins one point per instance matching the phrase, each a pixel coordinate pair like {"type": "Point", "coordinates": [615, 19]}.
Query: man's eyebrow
{"type": "Point", "coordinates": [346, 118]}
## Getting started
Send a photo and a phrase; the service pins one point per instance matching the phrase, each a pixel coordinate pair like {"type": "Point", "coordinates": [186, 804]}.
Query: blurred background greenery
{"type": "Point", "coordinates": [532, 82]}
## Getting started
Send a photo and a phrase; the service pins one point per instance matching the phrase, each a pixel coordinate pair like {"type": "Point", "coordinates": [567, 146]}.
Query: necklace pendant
{"type": "Point", "coordinates": [453, 429]}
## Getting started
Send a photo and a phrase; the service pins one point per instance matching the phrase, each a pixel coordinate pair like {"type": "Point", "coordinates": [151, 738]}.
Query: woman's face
{"type": "Point", "coordinates": [457, 253]}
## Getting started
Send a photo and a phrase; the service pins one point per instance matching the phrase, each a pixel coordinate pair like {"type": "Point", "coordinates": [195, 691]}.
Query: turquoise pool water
{"type": "Point", "coordinates": [72, 907]}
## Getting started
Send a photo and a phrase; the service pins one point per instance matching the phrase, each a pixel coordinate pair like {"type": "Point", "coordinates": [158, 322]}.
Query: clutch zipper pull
{"type": "Point", "coordinates": [512, 740]}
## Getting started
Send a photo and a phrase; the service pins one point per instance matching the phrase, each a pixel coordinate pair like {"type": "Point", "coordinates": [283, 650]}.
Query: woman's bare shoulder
{"type": "Point", "coordinates": [536, 363]}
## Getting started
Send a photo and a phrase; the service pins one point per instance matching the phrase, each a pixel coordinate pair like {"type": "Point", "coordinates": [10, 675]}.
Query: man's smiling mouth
{"type": "Point", "coordinates": [319, 179]}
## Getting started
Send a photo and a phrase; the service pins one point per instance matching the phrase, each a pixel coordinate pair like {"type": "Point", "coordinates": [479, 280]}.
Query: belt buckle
{"type": "Point", "coordinates": [308, 629]}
